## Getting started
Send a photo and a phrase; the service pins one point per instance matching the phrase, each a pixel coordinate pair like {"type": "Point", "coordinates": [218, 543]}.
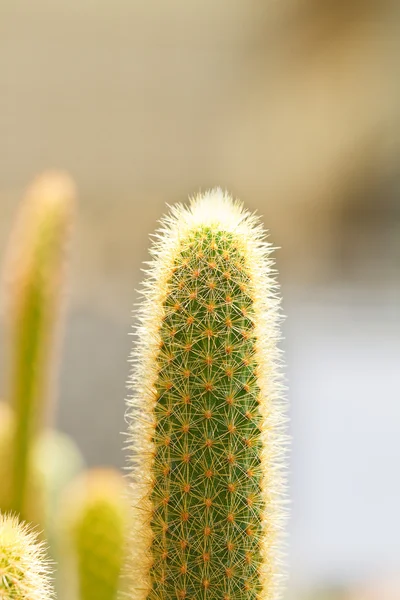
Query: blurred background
{"type": "Point", "coordinates": [294, 107]}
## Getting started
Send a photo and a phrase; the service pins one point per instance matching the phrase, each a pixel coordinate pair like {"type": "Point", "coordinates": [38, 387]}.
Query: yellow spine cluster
{"type": "Point", "coordinates": [24, 570]}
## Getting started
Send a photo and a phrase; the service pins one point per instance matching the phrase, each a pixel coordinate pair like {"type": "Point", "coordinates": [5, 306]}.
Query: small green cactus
{"type": "Point", "coordinates": [34, 271]}
{"type": "Point", "coordinates": [24, 570]}
{"type": "Point", "coordinates": [56, 462]}
{"type": "Point", "coordinates": [206, 411]}
{"type": "Point", "coordinates": [95, 519]}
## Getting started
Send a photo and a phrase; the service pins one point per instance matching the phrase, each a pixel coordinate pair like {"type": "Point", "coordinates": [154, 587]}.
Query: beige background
{"type": "Point", "coordinates": [293, 107]}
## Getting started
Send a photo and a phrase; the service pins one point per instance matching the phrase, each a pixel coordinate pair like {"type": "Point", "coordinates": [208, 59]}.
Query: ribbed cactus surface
{"type": "Point", "coordinates": [205, 415]}
{"type": "Point", "coordinates": [24, 571]}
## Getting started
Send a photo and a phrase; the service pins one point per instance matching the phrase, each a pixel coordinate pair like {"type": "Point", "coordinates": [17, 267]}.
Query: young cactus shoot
{"type": "Point", "coordinates": [34, 290]}
{"type": "Point", "coordinates": [206, 413]}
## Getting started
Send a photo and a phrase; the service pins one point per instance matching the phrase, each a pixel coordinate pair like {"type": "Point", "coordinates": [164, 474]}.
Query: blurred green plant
{"type": "Point", "coordinates": [6, 436]}
{"type": "Point", "coordinates": [34, 274]}
{"type": "Point", "coordinates": [57, 460]}
{"type": "Point", "coordinates": [94, 518]}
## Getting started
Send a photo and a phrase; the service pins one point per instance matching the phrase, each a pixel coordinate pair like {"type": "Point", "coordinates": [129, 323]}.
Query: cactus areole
{"type": "Point", "coordinates": [206, 411]}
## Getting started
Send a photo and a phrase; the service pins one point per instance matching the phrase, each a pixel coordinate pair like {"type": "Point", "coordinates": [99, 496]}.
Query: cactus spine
{"type": "Point", "coordinates": [34, 270]}
{"type": "Point", "coordinates": [24, 571]}
{"type": "Point", "coordinates": [95, 520]}
{"type": "Point", "coordinates": [206, 411]}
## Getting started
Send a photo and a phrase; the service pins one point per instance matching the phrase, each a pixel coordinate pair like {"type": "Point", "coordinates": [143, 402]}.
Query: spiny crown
{"type": "Point", "coordinates": [209, 464]}
{"type": "Point", "coordinates": [23, 567]}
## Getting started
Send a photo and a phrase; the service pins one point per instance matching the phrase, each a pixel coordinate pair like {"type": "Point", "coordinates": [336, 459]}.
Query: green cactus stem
{"type": "Point", "coordinates": [24, 570]}
{"type": "Point", "coordinates": [6, 436]}
{"type": "Point", "coordinates": [206, 412]}
{"type": "Point", "coordinates": [95, 520]}
{"type": "Point", "coordinates": [36, 495]}
{"type": "Point", "coordinates": [34, 272]}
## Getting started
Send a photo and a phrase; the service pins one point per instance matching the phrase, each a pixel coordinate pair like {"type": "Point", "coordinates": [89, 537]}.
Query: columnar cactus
{"type": "Point", "coordinates": [95, 520]}
{"type": "Point", "coordinates": [206, 411]}
{"type": "Point", "coordinates": [24, 570]}
{"type": "Point", "coordinates": [34, 270]}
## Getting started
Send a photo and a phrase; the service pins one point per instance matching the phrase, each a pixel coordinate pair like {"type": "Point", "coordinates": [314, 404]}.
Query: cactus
{"type": "Point", "coordinates": [34, 270]}
{"type": "Point", "coordinates": [95, 519]}
{"type": "Point", "coordinates": [57, 460]}
{"type": "Point", "coordinates": [24, 570]}
{"type": "Point", "coordinates": [6, 436]}
{"type": "Point", "coordinates": [36, 489]}
{"type": "Point", "coordinates": [206, 413]}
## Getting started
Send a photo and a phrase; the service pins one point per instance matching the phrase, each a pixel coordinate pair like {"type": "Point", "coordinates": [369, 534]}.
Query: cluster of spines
{"type": "Point", "coordinates": [24, 569]}
{"type": "Point", "coordinates": [212, 515]}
